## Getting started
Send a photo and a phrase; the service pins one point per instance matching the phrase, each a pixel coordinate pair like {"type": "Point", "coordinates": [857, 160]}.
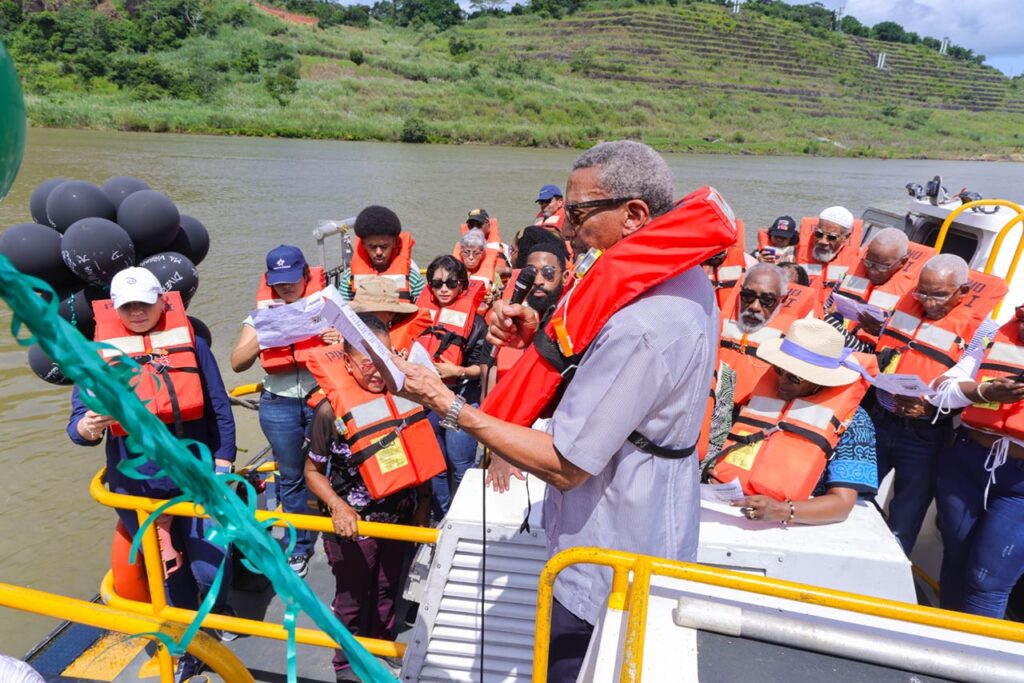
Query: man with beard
{"type": "Point", "coordinates": [826, 251]}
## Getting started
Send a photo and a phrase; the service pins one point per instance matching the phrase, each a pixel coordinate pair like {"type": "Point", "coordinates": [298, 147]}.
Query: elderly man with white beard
{"type": "Point", "coordinates": [827, 252]}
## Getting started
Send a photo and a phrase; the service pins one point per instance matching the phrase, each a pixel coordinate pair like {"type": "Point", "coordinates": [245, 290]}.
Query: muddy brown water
{"type": "Point", "coordinates": [254, 194]}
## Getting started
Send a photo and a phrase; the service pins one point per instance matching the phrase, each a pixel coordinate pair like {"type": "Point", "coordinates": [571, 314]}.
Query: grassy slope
{"type": "Point", "coordinates": [686, 78]}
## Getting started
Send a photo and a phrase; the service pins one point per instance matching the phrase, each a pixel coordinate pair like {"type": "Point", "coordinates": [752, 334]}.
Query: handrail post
{"type": "Point", "coordinates": [636, 622]}
{"type": "Point", "coordinates": [154, 565]}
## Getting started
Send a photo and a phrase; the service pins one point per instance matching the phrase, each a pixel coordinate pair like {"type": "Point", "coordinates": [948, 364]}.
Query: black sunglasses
{"type": "Point", "coordinates": [831, 237]}
{"type": "Point", "coordinates": [787, 375]}
{"type": "Point", "coordinates": [548, 273]}
{"type": "Point", "coordinates": [574, 212]}
{"type": "Point", "coordinates": [768, 301]}
{"type": "Point", "coordinates": [450, 283]}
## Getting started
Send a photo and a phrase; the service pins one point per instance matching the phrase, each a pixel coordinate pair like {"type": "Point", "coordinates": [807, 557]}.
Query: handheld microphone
{"type": "Point", "coordinates": [520, 289]}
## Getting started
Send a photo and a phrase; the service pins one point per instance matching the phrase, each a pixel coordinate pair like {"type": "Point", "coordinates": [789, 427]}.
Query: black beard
{"type": "Point", "coordinates": [542, 304]}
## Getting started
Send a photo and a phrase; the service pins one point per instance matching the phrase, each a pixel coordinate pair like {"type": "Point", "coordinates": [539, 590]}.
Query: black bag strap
{"type": "Point", "coordinates": [645, 445]}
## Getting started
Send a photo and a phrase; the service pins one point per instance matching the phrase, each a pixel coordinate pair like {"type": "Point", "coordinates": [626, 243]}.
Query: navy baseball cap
{"type": "Point", "coordinates": [285, 264]}
{"type": "Point", "coordinates": [548, 192]}
{"type": "Point", "coordinates": [784, 226]}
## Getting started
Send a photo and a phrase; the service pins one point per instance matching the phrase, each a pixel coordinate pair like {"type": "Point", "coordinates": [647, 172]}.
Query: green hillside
{"type": "Point", "coordinates": [686, 77]}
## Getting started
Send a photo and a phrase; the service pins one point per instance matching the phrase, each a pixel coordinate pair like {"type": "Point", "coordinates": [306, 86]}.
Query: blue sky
{"type": "Point", "coordinates": [994, 28]}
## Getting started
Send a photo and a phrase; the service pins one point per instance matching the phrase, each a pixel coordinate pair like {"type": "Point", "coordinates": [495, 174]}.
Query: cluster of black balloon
{"type": "Point", "coordinates": [82, 235]}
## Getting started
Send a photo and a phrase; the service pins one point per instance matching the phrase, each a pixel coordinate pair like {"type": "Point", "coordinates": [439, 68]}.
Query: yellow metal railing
{"type": "Point", "coordinates": [632, 595]}
{"type": "Point", "coordinates": [158, 608]}
{"type": "Point", "coordinates": [220, 659]}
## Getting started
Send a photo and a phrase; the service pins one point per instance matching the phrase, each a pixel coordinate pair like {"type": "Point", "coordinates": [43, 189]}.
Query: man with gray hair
{"type": "Point", "coordinates": [926, 335]}
{"type": "Point", "coordinates": [627, 380]}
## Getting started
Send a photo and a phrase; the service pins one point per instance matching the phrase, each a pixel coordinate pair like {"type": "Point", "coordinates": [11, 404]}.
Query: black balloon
{"type": "Point", "coordinates": [151, 219]}
{"type": "Point", "coordinates": [37, 203]}
{"type": "Point", "coordinates": [193, 240]}
{"type": "Point", "coordinates": [175, 272]}
{"type": "Point", "coordinates": [45, 369]}
{"type": "Point", "coordinates": [120, 186]}
{"type": "Point", "coordinates": [201, 330]}
{"type": "Point", "coordinates": [74, 200]}
{"type": "Point", "coordinates": [35, 250]}
{"type": "Point", "coordinates": [77, 310]}
{"type": "Point", "coordinates": [96, 249]}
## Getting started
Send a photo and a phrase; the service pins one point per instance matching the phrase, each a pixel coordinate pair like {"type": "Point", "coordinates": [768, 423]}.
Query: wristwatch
{"type": "Point", "coordinates": [451, 418]}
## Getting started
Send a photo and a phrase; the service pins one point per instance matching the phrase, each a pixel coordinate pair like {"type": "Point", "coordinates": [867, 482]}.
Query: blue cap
{"type": "Point", "coordinates": [547, 192]}
{"type": "Point", "coordinates": [285, 264]}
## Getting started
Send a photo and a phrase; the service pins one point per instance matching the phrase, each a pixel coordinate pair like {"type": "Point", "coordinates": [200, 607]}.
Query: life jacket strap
{"type": "Point", "coordinates": [732, 344]}
{"type": "Point", "coordinates": [549, 351]}
{"type": "Point", "coordinates": [359, 457]}
{"type": "Point", "coordinates": [932, 353]}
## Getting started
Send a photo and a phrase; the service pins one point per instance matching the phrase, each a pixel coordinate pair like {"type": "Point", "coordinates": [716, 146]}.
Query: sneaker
{"type": "Point", "coordinates": [188, 666]}
{"type": "Point", "coordinates": [299, 564]}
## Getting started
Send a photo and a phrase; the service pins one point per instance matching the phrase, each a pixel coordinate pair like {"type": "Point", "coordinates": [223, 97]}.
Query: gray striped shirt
{"type": "Point", "coordinates": [649, 369]}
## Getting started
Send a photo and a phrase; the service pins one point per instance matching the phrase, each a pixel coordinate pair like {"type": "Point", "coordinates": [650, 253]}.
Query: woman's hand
{"type": "Point", "coordinates": [92, 425]}
{"type": "Point", "coordinates": [330, 336]}
{"type": "Point", "coordinates": [500, 473]}
{"type": "Point", "coordinates": [513, 325]}
{"type": "Point", "coordinates": [911, 407]}
{"type": "Point", "coordinates": [345, 520]}
{"type": "Point", "coordinates": [448, 371]}
{"type": "Point", "coordinates": [762, 508]}
{"type": "Point", "coordinates": [869, 323]}
{"type": "Point", "coordinates": [1002, 390]}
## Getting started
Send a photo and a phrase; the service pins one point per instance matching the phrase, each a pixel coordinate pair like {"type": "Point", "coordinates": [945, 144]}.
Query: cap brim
{"type": "Point", "coordinates": [400, 307]}
{"type": "Point", "coordinates": [282, 277]}
{"type": "Point", "coordinates": [771, 352]}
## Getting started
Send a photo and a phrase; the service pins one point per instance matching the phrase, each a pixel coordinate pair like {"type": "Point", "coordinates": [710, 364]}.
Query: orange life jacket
{"type": "Point", "coordinates": [287, 358]}
{"type": "Point", "coordinates": [450, 328]}
{"type": "Point", "coordinates": [505, 357]}
{"type": "Point", "coordinates": [398, 270]}
{"type": "Point", "coordinates": [658, 252]}
{"type": "Point", "coordinates": [553, 222]}
{"type": "Point", "coordinates": [727, 274]}
{"type": "Point", "coordinates": [390, 438]}
{"type": "Point", "coordinates": [856, 285]}
{"type": "Point", "coordinates": [492, 234]}
{"type": "Point", "coordinates": [406, 331]}
{"type": "Point", "coordinates": [169, 383]}
{"type": "Point", "coordinates": [928, 348]}
{"type": "Point", "coordinates": [844, 261]}
{"type": "Point", "coordinates": [1003, 358]}
{"type": "Point", "coordinates": [738, 350]}
{"type": "Point", "coordinates": [780, 449]}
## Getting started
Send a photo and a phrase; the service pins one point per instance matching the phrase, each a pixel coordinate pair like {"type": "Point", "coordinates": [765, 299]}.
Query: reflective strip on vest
{"type": "Point", "coordinates": [729, 273]}
{"type": "Point", "coordinates": [398, 278]}
{"type": "Point", "coordinates": [765, 406]}
{"type": "Point", "coordinates": [856, 284]}
{"type": "Point", "coordinates": [1001, 352]}
{"type": "Point", "coordinates": [452, 317]}
{"type": "Point", "coordinates": [933, 335]}
{"type": "Point", "coordinates": [886, 300]}
{"type": "Point", "coordinates": [124, 345]}
{"type": "Point", "coordinates": [404, 405]}
{"type": "Point", "coordinates": [495, 245]}
{"type": "Point", "coordinates": [904, 323]}
{"type": "Point", "coordinates": [481, 278]}
{"type": "Point", "coordinates": [810, 413]}
{"type": "Point", "coordinates": [176, 336]}
{"type": "Point", "coordinates": [370, 412]}
{"type": "Point", "coordinates": [722, 205]}
{"type": "Point", "coordinates": [813, 269]}
{"type": "Point", "coordinates": [836, 272]}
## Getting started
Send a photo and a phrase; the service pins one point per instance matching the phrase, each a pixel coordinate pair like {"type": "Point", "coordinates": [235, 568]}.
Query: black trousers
{"type": "Point", "coordinates": [570, 637]}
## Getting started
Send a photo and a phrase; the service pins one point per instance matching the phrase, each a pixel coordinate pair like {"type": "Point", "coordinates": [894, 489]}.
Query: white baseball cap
{"type": "Point", "coordinates": [134, 284]}
{"type": "Point", "coordinates": [839, 215]}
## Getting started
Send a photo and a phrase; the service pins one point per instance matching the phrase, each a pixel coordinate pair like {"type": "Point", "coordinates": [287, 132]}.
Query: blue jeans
{"type": "Point", "coordinates": [187, 586]}
{"type": "Point", "coordinates": [285, 422]}
{"type": "Point", "coordinates": [570, 638]}
{"type": "Point", "coordinates": [909, 447]}
{"type": "Point", "coordinates": [459, 451]}
{"type": "Point", "coordinates": [982, 550]}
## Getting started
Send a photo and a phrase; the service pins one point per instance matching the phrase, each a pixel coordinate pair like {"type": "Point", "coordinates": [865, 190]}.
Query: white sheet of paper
{"type": "Point", "coordinates": [420, 356]}
{"type": "Point", "coordinates": [851, 310]}
{"type": "Point", "coordinates": [903, 385]}
{"type": "Point", "coordinates": [721, 493]}
{"type": "Point", "coordinates": [338, 313]}
{"type": "Point", "coordinates": [289, 323]}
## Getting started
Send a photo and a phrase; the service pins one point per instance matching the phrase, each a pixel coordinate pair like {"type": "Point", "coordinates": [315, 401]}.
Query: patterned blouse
{"type": "Point", "coordinates": [854, 465]}
{"type": "Point", "coordinates": [327, 446]}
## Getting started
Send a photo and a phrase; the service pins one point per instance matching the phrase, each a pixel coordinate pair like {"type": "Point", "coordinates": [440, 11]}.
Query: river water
{"type": "Point", "coordinates": [253, 194]}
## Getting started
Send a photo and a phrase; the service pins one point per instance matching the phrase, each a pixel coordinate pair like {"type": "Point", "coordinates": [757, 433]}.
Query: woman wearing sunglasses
{"type": "Point", "coordinates": [455, 341]}
{"type": "Point", "coordinates": [979, 487]}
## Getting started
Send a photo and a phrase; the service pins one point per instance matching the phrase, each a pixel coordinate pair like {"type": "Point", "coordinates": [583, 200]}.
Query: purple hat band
{"type": "Point", "coordinates": [794, 350]}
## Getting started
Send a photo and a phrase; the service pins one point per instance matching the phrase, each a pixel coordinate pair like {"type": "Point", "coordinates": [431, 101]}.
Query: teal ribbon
{"type": "Point", "coordinates": [106, 389]}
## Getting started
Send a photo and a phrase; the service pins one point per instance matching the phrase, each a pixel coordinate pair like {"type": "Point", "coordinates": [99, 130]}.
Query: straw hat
{"type": "Point", "coordinates": [376, 294]}
{"type": "Point", "coordinates": [820, 349]}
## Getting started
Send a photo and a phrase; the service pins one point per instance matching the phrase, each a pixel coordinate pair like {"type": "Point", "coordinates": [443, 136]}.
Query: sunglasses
{"type": "Point", "coordinates": [549, 273]}
{"type": "Point", "coordinates": [574, 212]}
{"type": "Point", "coordinates": [450, 283]}
{"type": "Point", "coordinates": [787, 376]}
{"type": "Point", "coordinates": [768, 301]}
{"type": "Point", "coordinates": [830, 236]}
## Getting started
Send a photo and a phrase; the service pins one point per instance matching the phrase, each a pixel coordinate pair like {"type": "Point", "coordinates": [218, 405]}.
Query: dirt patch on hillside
{"type": "Point", "coordinates": [290, 17]}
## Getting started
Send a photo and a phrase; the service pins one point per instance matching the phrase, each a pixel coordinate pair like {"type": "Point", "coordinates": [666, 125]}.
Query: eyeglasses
{"type": "Point", "coordinates": [365, 366]}
{"type": "Point", "coordinates": [875, 265]}
{"type": "Point", "coordinates": [830, 236]}
{"type": "Point", "coordinates": [574, 212]}
{"type": "Point", "coordinates": [936, 298]}
{"type": "Point", "coordinates": [470, 253]}
{"type": "Point", "coordinates": [787, 376]}
{"type": "Point", "coordinates": [450, 283]}
{"type": "Point", "coordinates": [544, 202]}
{"type": "Point", "coordinates": [549, 273]}
{"type": "Point", "coordinates": [768, 301]}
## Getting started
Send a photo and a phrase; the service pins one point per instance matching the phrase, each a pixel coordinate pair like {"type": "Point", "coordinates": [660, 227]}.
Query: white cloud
{"type": "Point", "coordinates": [989, 27]}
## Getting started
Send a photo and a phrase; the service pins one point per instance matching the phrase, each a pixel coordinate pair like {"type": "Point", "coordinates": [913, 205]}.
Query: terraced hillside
{"type": "Point", "coordinates": [692, 77]}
